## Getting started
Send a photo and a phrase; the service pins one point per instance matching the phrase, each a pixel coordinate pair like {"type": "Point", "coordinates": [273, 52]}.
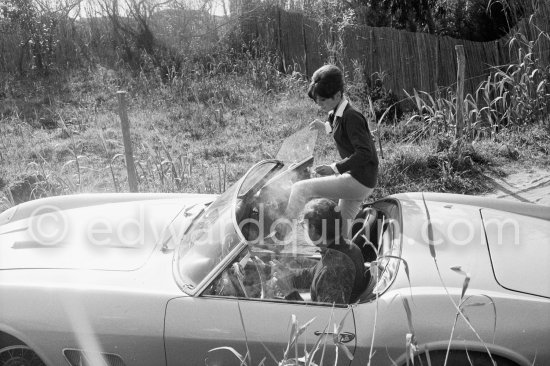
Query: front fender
{"type": "Point", "coordinates": [6, 329]}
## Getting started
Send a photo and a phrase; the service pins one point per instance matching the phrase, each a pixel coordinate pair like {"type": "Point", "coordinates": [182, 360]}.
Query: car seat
{"type": "Point", "coordinates": [365, 234]}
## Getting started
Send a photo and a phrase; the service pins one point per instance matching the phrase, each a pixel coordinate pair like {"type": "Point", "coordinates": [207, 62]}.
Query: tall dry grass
{"type": "Point", "coordinates": [197, 131]}
{"type": "Point", "coordinates": [199, 122]}
{"type": "Point", "coordinates": [514, 95]}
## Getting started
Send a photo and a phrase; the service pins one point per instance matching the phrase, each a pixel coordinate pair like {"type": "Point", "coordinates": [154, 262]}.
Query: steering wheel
{"type": "Point", "coordinates": [275, 287]}
{"type": "Point", "coordinates": [237, 279]}
{"type": "Point", "coordinates": [240, 276]}
{"type": "Point", "coordinates": [260, 266]}
{"type": "Point", "coordinates": [279, 287]}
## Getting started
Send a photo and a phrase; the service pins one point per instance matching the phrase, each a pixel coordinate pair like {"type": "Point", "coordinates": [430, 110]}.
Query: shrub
{"type": "Point", "coordinates": [519, 93]}
{"type": "Point", "coordinates": [514, 95]}
{"type": "Point", "coordinates": [382, 99]}
{"type": "Point", "coordinates": [28, 187]}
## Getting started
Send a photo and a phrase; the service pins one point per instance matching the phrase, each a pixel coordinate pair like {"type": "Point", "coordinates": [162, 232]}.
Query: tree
{"type": "Point", "coordinates": [130, 21]}
{"type": "Point", "coordinates": [335, 16]}
{"type": "Point", "coordinates": [158, 35]}
{"type": "Point", "coordinates": [477, 20]}
{"type": "Point", "coordinates": [409, 15]}
{"type": "Point", "coordinates": [36, 22]}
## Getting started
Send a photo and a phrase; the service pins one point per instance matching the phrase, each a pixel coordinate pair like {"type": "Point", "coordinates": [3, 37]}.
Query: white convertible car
{"type": "Point", "coordinates": [183, 279]}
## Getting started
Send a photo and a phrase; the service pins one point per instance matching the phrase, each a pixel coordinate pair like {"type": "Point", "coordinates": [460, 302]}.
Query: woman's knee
{"type": "Point", "coordinates": [349, 208]}
{"type": "Point", "coordinates": [301, 188]}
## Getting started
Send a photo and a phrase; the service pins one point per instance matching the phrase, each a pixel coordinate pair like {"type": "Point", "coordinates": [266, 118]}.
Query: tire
{"type": "Point", "coordinates": [19, 355]}
{"type": "Point", "coordinates": [462, 358]}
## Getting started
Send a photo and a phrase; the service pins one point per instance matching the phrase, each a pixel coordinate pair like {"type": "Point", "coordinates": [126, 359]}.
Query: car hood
{"type": "Point", "coordinates": [115, 232]}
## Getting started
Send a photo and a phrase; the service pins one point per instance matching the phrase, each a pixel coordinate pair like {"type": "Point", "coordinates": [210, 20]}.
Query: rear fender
{"type": "Point", "coordinates": [469, 346]}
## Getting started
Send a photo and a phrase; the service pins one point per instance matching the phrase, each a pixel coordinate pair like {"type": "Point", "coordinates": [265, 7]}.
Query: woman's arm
{"type": "Point", "coordinates": [360, 138]}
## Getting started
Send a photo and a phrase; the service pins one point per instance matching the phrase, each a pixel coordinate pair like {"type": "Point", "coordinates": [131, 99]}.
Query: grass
{"type": "Point", "coordinates": [183, 145]}
{"type": "Point", "coordinates": [183, 139]}
{"type": "Point", "coordinates": [202, 135]}
{"type": "Point", "coordinates": [199, 131]}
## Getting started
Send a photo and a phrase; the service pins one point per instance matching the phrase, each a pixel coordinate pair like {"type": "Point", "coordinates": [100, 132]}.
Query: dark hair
{"type": "Point", "coordinates": [324, 215]}
{"type": "Point", "coordinates": [326, 82]}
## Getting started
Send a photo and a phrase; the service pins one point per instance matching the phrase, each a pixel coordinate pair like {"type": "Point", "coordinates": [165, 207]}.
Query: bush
{"type": "Point", "coordinates": [382, 99]}
{"type": "Point", "coordinates": [514, 95]}
{"type": "Point", "coordinates": [519, 93]}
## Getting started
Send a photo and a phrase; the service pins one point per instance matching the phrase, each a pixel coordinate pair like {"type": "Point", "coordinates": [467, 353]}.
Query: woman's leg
{"type": "Point", "coordinates": [338, 187]}
{"type": "Point", "coordinates": [349, 209]}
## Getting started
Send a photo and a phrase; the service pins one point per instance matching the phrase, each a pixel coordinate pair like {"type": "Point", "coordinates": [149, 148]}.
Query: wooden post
{"type": "Point", "coordinates": [461, 66]}
{"type": "Point", "coordinates": [436, 86]}
{"type": "Point", "coordinates": [306, 58]}
{"type": "Point", "coordinates": [129, 155]}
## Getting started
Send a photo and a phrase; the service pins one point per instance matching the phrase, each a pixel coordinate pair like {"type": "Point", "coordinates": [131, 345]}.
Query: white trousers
{"type": "Point", "coordinates": [342, 188]}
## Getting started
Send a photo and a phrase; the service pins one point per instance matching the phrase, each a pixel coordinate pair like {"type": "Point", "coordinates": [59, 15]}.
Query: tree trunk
{"type": "Point", "coordinates": [22, 52]}
{"type": "Point", "coordinates": [37, 56]}
{"type": "Point", "coordinates": [428, 16]}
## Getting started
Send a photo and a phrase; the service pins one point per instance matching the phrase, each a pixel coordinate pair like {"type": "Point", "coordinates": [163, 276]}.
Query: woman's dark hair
{"type": "Point", "coordinates": [323, 214]}
{"type": "Point", "coordinates": [326, 82]}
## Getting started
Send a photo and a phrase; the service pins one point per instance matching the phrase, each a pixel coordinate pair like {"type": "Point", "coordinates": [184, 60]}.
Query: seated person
{"type": "Point", "coordinates": [338, 277]}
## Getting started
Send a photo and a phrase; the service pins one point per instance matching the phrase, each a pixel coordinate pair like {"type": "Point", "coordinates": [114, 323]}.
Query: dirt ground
{"type": "Point", "coordinates": [525, 185]}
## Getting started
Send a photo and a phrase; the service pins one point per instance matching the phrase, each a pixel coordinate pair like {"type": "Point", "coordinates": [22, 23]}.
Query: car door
{"type": "Point", "coordinates": [249, 314]}
{"type": "Point", "coordinates": [196, 325]}
{"type": "Point", "coordinates": [272, 324]}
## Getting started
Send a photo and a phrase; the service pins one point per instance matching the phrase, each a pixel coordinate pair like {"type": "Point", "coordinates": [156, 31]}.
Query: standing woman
{"type": "Point", "coordinates": [353, 178]}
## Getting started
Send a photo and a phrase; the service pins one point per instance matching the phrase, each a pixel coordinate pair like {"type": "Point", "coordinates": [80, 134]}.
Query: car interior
{"type": "Point", "coordinates": [251, 274]}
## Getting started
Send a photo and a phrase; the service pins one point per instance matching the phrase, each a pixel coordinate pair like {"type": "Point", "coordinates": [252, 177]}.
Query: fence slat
{"type": "Point", "coordinates": [410, 60]}
{"type": "Point", "coordinates": [313, 48]}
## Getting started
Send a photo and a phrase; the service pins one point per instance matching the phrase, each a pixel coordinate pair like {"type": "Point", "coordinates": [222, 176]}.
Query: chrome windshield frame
{"type": "Point", "coordinates": [396, 247]}
{"type": "Point", "coordinates": [220, 266]}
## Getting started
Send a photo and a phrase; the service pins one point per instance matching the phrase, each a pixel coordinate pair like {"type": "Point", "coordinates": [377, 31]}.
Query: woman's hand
{"type": "Point", "coordinates": [317, 125]}
{"type": "Point", "coordinates": [324, 170]}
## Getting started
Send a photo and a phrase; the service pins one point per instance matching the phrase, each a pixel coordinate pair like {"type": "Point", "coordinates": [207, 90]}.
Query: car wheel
{"type": "Point", "coordinates": [461, 358]}
{"type": "Point", "coordinates": [19, 355]}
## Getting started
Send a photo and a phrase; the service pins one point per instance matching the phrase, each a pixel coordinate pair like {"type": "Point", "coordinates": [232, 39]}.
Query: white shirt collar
{"type": "Point", "coordinates": [341, 107]}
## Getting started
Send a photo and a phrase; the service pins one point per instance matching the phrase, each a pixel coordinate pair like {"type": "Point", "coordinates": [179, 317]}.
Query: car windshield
{"type": "Point", "coordinates": [207, 241]}
{"type": "Point", "coordinates": [298, 146]}
{"type": "Point", "coordinates": [215, 233]}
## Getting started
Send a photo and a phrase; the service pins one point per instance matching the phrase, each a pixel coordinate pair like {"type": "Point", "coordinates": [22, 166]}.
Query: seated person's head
{"type": "Point", "coordinates": [323, 221]}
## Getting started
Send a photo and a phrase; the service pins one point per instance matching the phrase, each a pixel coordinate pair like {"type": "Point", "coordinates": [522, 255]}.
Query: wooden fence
{"type": "Point", "coordinates": [409, 60]}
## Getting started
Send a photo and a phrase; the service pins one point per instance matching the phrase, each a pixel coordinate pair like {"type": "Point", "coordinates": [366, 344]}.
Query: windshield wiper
{"type": "Point", "coordinates": [195, 218]}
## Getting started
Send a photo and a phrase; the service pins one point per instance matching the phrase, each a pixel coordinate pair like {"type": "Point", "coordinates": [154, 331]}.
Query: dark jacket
{"type": "Point", "coordinates": [337, 278]}
{"type": "Point", "coordinates": [355, 145]}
